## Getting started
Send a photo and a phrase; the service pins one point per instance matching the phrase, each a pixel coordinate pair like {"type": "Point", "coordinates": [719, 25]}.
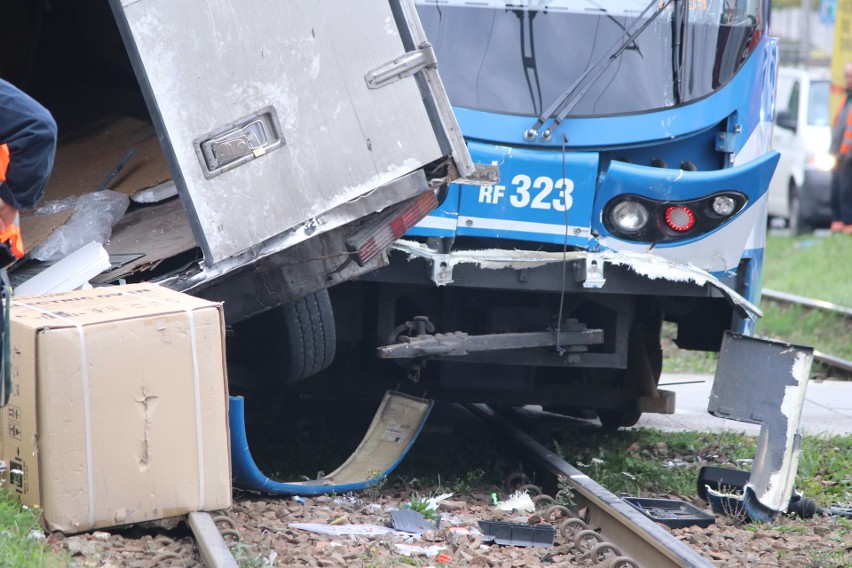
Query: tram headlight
{"type": "Point", "coordinates": [629, 216]}
{"type": "Point", "coordinates": [724, 205]}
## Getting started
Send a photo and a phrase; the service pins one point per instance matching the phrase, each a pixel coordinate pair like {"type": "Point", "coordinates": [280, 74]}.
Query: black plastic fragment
{"type": "Point", "coordinates": [673, 513]}
{"type": "Point", "coordinates": [721, 479]}
{"type": "Point", "coordinates": [514, 534]}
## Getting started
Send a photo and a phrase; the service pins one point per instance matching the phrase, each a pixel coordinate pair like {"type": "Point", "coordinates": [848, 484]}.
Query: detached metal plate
{"type": "Point", "coordinates": [764, 382]}
{"type": "Point", "coordinates": [753, 377]}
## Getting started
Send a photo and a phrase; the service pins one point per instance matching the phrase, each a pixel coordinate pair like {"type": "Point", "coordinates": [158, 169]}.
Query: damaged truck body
{"type": "Point", "coordinates": [299, 140]}
{"type": "Point", "coordinates": [632, 140]}
{"type": "Point", "coordinates": [252, 153]}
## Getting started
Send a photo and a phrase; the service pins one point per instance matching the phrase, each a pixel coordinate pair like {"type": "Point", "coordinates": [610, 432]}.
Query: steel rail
{"type": "Point", "coordinates": [833, 362]}
{"type": "Point", "coordinates": [636, 535]}
{"type": "Point", "coordinates": [212, 547]}
{"type": "Point", "coordinates": [783, 297]}
{"type": "Point", "coordinates": [825, 359]}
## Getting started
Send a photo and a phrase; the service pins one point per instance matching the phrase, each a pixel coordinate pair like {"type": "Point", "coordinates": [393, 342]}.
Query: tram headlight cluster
{"type": "Point", "coordinates": [638, 218]}
{"type": "Point", "coordinates": [724, 205]}
{"type": "Point", "coordinates": [630, 216]}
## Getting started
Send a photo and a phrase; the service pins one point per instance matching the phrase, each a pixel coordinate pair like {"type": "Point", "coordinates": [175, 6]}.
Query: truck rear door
{"type": "Point", "coordinates": [271, 114]}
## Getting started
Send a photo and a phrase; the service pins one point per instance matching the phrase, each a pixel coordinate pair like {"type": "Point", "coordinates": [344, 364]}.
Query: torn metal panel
{"type": "Point", "coordinates": [647, 265]}
{"type": "Point", "coordinates": [764, 382]}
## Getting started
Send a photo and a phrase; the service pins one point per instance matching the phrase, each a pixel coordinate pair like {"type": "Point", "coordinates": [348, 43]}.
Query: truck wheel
{"type": "Point", "coordinates": [644, 366]}
{"type": "Point", "coordinates": [797, 223]}
{"type": "Point", "coordinates": [309, 335]}
{"type": "Point", "coordinates": [294, 341]}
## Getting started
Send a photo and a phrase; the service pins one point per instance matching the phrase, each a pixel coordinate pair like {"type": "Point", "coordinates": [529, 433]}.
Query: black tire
{"type": "Point", "coordinates": [615, 418]}
{"type": "Point", "coordinates": [309, 335]}
{"type": "Point", "coordinates": [796, 222]}
{"type": "Point", "coordinates": [644, 366]}
{"type": "Point", "coordinates": [291, 342]}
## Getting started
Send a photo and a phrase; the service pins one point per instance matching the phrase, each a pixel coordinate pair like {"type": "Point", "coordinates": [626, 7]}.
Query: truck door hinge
{"type": "Point", "coordinates": [403, 66]}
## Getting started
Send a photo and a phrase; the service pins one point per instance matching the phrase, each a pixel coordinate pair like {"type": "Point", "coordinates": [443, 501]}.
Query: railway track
{"type": "Point", "coordinates": [637, 540]}
{"type": "Point", "coordinates": [830, 362]}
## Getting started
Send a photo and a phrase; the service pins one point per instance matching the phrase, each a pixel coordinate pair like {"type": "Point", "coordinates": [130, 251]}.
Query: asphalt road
{"type": "Point", "coordinates": [827, 409]}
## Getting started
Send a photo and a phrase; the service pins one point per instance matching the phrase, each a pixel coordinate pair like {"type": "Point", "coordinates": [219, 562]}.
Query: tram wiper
{"type": "Point", "coordinates": [560, 108]}
{"type": "Point", "coordinates": [680, 20]}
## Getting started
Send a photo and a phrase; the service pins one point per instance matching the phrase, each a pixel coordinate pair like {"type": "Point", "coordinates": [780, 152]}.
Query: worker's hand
{"type": "Point", "coordinates": [8, 215]}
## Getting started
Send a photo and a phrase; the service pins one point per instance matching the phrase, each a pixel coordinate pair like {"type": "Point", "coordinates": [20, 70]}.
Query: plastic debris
{"type": "Point", "coordinates": [411, 521]}
{"type": "Point", "coordinates": [516, 534]}
{"type": "Point", "coordinates": [673, 513]}
{"type": "Point", "coordinates": [518, 501]}
{"type": "Point", "coordinates": [412, 550]}
{"type": "Point", "coordinates": [345, 530]}
{"type": "Point", "coordinates": [95, 214]}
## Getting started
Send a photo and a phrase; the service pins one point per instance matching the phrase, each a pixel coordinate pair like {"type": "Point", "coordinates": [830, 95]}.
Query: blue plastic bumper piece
{"type": "Point", "coordinates": [397, 423]}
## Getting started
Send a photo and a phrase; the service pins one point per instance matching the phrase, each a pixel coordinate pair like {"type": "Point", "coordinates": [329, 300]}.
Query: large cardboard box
{"type": "Point", "coordinates": [118, 412]}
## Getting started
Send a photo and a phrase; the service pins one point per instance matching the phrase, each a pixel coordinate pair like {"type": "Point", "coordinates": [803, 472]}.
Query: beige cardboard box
{"type": "Point", "coordinates": [119, 407]}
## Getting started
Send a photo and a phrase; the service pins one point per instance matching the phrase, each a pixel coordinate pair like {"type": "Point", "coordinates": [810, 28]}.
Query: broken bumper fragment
{"type": "Point", "coordinates": [397, 423]}
{"type": "Point", "coordinates": [589, 268]}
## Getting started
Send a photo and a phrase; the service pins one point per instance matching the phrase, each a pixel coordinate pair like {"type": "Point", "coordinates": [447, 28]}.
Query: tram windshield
{"type": "Point", "coordinates": [596, 58]}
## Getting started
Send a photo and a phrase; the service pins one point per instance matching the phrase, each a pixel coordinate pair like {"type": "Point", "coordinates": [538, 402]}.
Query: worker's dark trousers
{"type": "Point", "coordinates": [841, 192]}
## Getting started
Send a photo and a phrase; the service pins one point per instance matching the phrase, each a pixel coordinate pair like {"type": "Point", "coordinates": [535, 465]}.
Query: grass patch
{"type": "Point", "coordinates": [21, 538]}
{"type": "Point", "coordinates": [810, 266]}
{"type": "Point", "coordinates": [824, 331]}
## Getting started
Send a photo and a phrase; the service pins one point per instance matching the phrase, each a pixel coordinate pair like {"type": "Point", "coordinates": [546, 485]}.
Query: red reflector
{"type": "Point", "coordinates": [680, 218]}
{"type": "Point", "coordinates": [367, 245]}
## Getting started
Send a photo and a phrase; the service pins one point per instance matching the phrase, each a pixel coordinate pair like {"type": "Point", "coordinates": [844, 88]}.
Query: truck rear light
{"type": "Point", "coordinates": [370, 241]}
{"type": "Point", "coordinates": [680, 218]}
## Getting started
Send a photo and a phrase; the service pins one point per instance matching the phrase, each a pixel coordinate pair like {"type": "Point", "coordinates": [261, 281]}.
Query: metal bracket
{"type": "Point", "coordinates": [483, 174]}
{"type": "Point", "coordinates": [594, 272]}
{"type": "Point", "coordinates": [402, 67]}
{"type": "Point", "coordinates": [442, 269]}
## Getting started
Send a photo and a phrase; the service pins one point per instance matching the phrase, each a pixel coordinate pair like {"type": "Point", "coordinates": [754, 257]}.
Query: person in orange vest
{"type": "Point", "coordinates": [841, 148]}
{"type": "Point", "coordinates": [27, 147]}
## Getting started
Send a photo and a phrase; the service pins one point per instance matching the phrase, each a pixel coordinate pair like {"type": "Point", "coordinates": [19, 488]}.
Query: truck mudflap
{"type": "Point", "coordinates": [397, 423]}
{"type": "Point", "coordinates": [590, 267]}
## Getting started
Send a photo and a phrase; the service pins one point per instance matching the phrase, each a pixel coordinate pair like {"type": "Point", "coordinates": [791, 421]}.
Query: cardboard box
{"type": "Point", "coordinates": [119, 407]}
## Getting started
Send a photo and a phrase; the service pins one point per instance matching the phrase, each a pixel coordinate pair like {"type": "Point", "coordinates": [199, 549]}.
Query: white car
{"type": "Point", "coordinates": [800, 189]}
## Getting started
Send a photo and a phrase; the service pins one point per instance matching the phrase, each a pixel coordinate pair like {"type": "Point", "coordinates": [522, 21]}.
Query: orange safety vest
{"type": "Point", "coordinates": [4, 161]}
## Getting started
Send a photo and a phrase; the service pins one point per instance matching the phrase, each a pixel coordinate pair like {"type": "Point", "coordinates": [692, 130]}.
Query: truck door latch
{"type": "Point", "coordinates": [402, 67]}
